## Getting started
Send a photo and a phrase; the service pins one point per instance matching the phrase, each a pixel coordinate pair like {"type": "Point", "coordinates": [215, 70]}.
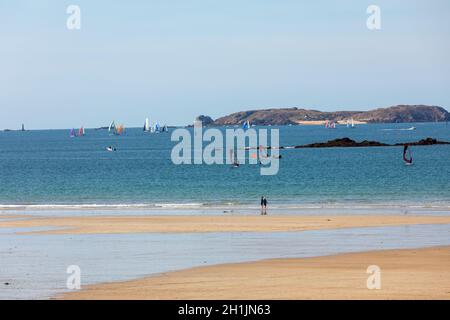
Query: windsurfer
{"type": "Point", "coordinates": [405, 159]}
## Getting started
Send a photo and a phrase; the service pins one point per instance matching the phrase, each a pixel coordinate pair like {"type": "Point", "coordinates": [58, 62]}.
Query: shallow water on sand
{"type": "Point", "coordinates": [275, 209]}
{"type": "Point", "coordinates": [35, 265]}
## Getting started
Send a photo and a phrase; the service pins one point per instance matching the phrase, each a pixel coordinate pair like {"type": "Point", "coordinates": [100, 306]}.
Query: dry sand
{"type": "Point", "coordinates": [405, 274]}
{"type": "Point", "coordinates": [177, 224]}
{"type": "Point", "coordinates": [322, 122]}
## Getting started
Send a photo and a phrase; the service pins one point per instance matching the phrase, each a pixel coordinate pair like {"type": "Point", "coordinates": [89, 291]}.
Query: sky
{"type": "Point", "coordinates": [171, 60]}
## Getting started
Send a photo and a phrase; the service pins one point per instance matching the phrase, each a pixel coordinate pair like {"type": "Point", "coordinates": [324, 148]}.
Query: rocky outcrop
{"type": "Point", "coordinates": [206, 120]}
{"type": "Point", "coordinates": [344, 142]}
{"type": "Point", "coordinates": [347, 142]}
{"type": "Point", "coordinates": [424, 142]}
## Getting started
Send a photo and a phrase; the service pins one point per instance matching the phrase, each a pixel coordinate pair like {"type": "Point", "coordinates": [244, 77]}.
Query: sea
{"type": "Point", "coordinates": [46, 173]}
{"type": "Point", "coordinates": [49, 169]}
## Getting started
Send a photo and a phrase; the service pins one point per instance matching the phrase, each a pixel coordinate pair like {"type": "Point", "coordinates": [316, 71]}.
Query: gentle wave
{"type": "Point", "coordinates": [96, 206]}
{"type": "Point", "coordinates": [219, 205]}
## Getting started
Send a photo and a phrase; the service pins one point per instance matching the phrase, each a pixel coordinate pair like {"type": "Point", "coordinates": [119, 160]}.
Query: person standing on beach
{"type": "Point", "coordinates": [265, 205]}
{"type": "Point", "coordinates": [262, 205]}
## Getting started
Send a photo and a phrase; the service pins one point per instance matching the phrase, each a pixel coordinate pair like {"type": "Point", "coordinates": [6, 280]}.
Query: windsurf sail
{"type": "Point", "coordinates": [405, 151]}
{"type": "Point", "coordinates": [119, 130]}
{"type": "Point", "coordinates": [72, 133]}
{"type": "Point", "coordinates": [246, 125]}
{"type": "Point", "coordinates": [353, 123]}
{"type": "Point", "coordinates": [233, 159]}
{"type": "Point", "coordinates": [23, 127]}
{"type": "Point", "coordinates": [146, 125]}
{"type": "Point", "coordinates": [112, 126]}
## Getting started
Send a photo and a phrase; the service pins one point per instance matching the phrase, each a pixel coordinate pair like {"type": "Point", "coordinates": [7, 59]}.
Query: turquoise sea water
{"type": "Point", "coordinates": [49, 168]}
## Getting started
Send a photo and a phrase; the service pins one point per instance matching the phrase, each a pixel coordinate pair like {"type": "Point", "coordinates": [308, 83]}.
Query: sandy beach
{"type": "Point", "coordinates": [189, 224]}
{"type": "Point", "coordinates": [322, 122]}
{"type": "Point", "coordinates": [405, 274]}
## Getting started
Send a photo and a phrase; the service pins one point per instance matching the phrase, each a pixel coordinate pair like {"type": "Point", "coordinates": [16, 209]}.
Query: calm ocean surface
{"type": "Point", "coordinates": [50, 168]}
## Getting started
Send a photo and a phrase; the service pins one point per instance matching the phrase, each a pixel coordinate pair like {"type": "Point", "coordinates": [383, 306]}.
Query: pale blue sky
{"type": "Point", "coordinates": [171, 60]}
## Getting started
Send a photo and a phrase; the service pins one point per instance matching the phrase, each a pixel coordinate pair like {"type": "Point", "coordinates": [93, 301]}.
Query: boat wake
{"type": "Point", "coordinates": [401, 129]}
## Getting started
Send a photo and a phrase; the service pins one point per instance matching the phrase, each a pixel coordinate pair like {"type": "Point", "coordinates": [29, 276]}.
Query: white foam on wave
{"type": "Point", "coordinates": [219, 205]}
{"type": "Point", "coordinates": [100, 206]}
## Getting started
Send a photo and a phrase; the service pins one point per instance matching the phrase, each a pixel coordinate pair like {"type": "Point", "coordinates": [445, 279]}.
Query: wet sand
{"type": "Point", "coordinates": [405, 274]}
{"type": "Point", "coordinates": [188, 224]}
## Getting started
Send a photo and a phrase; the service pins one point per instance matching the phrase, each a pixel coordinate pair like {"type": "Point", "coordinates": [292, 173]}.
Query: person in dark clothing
{"type": "Point", "coordinates": [265, 205]}
{"type": "Point", "coordinates": [262, 205]}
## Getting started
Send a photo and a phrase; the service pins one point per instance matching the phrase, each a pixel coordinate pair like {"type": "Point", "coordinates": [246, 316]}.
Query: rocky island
{"type": "Point", "coordinates": [347, 142]}
{"type": "Point", "coordinates": [300, 116]}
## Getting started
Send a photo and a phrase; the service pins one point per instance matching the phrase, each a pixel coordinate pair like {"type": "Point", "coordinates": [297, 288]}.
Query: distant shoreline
{"type": "Point", "coordinates": [298, 123]}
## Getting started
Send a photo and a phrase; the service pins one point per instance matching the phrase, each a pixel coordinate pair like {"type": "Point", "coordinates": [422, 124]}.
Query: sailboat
{"type": "Point", "coordinates": [405, 159]}
{"type": "Point", "coordinates": [72, 133]}
{"type": "Point", "coordinates": [116, 129]}
{"type": "Point", "coordinates": [146, 125]}
{"type": "Point", "coordinates": [157, 129]}
{"type": "Point", "coordinates": [23, 127]}
{"type": "Point", "coordinates": [353, 123]}
{"type": "Point", "coordinates": [330, 124]}
{"type": "Point", "coordinates": [246, 125]}
{"type": "Point", "coordinates": [81, 132]}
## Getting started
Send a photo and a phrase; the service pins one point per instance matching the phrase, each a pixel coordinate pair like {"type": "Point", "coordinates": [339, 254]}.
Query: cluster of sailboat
{"type": "Point", "coordinates": [156, 128]}
{"type": "Point", "coordinates": [246, 125]}
{"type": "Point", "coordinates": [81, 132]}
{"type": "Point", "coordinates": [332, 124]}
{"type": "Point", "coordinates": [119, 129]}
{"type": "Point", "coordinates": [116, 129]}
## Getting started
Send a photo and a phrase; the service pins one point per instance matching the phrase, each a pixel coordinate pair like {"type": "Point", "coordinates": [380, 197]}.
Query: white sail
{"type": "Point", "coordinates": [146, 125]}
{"type": "Point", "coordinates": [111, 126]}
